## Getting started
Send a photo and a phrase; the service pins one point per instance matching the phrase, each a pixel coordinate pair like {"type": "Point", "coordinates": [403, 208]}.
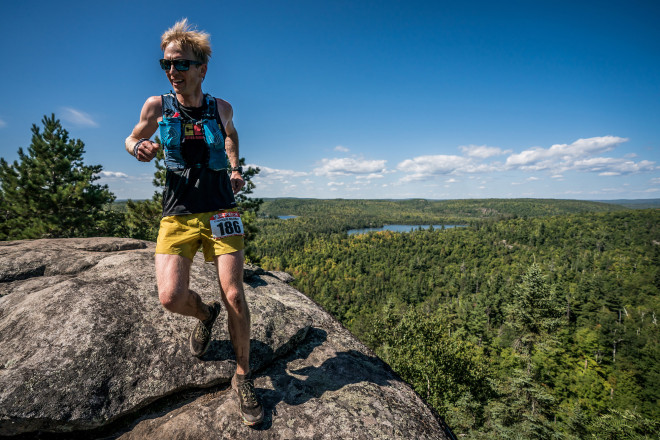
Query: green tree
{"type": "Point", "coordinates": [143, 216]}
{"type": "Point", "coordinates": [535, 313]}
{"type": "Point", "coordinates": [620, 425]}
{"type": "Point", "coordinates": [249, 207]}
{"type": "Point", "coordinates": [440, 367]}
{"type": "Point", "coordinates": [563, 345]}
{"type": "Point", "coordinates": [527, 403]}
{"type": "Point", "coordinates": [49, 191]}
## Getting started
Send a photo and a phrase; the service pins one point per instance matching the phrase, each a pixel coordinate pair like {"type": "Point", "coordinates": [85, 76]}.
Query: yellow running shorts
{"type": "Point", "coordinates": [217, 232]}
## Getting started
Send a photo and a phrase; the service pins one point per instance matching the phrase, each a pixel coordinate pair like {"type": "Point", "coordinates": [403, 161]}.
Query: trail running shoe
{"type": "Point", "coordinates": [251, 410]}
{"type": "Point", "coordinates": [201, 334]}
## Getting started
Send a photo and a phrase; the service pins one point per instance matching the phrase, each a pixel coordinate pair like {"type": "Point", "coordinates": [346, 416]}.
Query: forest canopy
{"type": "Point", "coordinates": [539, 320]}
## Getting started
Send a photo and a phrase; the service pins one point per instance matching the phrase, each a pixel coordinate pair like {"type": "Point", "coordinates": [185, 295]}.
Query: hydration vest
{"type": "Point", "coordinates": [171, 135]}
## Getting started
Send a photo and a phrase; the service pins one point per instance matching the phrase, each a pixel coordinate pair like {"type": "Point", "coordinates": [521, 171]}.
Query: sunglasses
{"type": "Point", "coordinates": [180, 65]}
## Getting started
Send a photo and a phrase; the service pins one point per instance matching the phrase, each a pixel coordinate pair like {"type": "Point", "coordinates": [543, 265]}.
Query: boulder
{"type": "Point", "coordinates": [87, 351]}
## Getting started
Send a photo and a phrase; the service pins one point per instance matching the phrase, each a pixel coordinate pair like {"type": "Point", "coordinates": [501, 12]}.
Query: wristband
{"type": "Point", "coordinates": [137, 145]}
{"type": "Point", "coordinates": [239, 169]}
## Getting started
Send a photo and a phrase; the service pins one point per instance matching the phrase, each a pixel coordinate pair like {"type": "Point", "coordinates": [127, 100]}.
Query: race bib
{"type": "Point", "coordinates": [226, 224]}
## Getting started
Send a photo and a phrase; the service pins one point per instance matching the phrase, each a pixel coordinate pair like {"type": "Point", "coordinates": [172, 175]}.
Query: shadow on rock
{"type": "Point", "coordinates": [254, 281]}
{"type": "Point", "coordinates": [297, 386]}
{"type": "Point", "coordinates": [348, 367]}
{"type": "Point", "coordinates": [261, 353]}
{"type": "Point", "coordinates": [222, 350]}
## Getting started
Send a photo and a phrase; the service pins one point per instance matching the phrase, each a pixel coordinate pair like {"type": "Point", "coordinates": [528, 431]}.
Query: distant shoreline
{"type": "Point", "coordinates": [624, 202]}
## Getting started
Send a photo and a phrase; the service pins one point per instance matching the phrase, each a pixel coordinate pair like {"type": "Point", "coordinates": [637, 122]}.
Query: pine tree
{"type": "Point", "coordinates": [626, 424]}
{"type": "Point", "coordinates": [533, 318]}
{"type": "Point", "coordinates": [535, 313]}
{"type": "Point", "coordinates": [249, 207]}
{"type": "Point", "coordinates": [441, 368]}
{"type": "Point", "coordinates": [143, 217]}
{"type": "Point", "coordinates": [49, 192]}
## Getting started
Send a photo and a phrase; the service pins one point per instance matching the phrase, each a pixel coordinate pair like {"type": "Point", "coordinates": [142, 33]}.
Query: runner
{"type": "Point", "coordinates": [199, 210]}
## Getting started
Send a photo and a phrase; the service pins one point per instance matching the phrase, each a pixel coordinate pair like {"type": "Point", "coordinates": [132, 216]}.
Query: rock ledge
{"type": "Point", "coordinates": [86, 351]}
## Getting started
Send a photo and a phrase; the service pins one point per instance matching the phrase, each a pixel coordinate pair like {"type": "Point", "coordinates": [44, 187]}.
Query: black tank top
{"type": "Point", "coordinates": [195, 190]}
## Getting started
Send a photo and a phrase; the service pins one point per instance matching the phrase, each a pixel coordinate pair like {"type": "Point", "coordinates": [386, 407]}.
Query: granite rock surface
{"type": "Point", "coordinates": [87, 351]}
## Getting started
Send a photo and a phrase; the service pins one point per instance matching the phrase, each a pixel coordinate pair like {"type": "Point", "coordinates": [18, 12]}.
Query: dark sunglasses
{"type": "Point", "coordinates": [180, 65]}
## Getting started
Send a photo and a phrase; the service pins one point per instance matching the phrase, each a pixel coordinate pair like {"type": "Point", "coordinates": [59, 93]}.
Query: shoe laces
{"type": "Point", "coordinates": [201, 332]}
{"type": "Point", "coordinates": [248, 395]}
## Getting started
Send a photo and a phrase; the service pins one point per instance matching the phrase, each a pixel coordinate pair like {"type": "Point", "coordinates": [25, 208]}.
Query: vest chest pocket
{"type": "Point", "coordinates": [213, 135]}
{"type": "Point", "coordinates": [216, 142]}
{"type": "Point", "coordinates": [170, 135]}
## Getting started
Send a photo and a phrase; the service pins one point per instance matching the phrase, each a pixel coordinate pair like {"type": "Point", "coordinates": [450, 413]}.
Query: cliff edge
{"type": "Point", "coordinates": [87, 351]}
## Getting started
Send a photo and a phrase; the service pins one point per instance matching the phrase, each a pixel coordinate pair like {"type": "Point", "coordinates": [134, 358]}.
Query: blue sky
{"type": "Point", "coordinates": [364, 99]}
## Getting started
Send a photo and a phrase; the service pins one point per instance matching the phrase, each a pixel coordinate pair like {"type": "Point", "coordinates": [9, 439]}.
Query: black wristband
{"type": "Point", "coordinates": [239, 169]}
{"type": "Point", "coordinates": [137, 145]}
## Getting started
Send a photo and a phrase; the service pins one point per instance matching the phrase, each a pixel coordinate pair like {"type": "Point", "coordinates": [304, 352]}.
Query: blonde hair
{"type": "Point", "coordinates": [185, 36]}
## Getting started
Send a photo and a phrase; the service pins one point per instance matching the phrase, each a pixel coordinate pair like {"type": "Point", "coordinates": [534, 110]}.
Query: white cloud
{"type": "Point", "coordinates": [77, 117]}
{"type": "Point", "coordinates": [113, 174]}
{"type": "Point", "coordinates": [482, 151]}
{"type": "Point", "coordinates": [526, 181]}
{"type": "Point", "coordinates": [579, 156]}
{"type": "Point", "coordinates": [608, 191]}
{"type": "Point", "coordinates": [346, 166]}
{"type": "Point", "coordinates": [334, 186]}
{"type": "Point", "coordinates": [2, 123]}
{"type": "Point", "coordinates": [562, 156]}
{"type": "Point", "coordinates": [267, 173]}
{"type": "Point", "coordinates": [370, 176]}
{"type": "Point", "coordinates": [527, 157]}
{"type": "Point", "coordinates": [423, 167]}
{"type": "Point", "coordinates": [583, 155]}
{"type": "Point", "coordinates": [610, 166]}
{"type": "Point", "coordinates": [471, 168]}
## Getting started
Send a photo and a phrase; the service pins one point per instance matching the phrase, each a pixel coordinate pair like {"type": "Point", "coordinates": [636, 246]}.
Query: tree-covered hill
{"type": "Point", "coordinates": [421, 210]}
{"type": "Point", "coordinates": [635, 203]}
{"type": "Point", "coordinates": [540, 322]}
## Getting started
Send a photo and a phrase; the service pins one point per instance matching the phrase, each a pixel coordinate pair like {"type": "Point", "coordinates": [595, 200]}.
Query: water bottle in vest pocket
{"type": "Point", "coordinates": [170, 134]}
{"type": "Point", "coordinates": [216, 142]}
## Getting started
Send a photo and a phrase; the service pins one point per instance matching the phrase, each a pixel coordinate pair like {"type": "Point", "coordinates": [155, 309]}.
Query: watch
{"type": "Point", "coordinates": [239, 169]}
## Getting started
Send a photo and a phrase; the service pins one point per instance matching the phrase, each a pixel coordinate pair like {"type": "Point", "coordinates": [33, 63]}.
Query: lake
{"type": "Point", "coordinates": [400, 228]}
{"type": "Point", "coordinates": [286, 217]}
